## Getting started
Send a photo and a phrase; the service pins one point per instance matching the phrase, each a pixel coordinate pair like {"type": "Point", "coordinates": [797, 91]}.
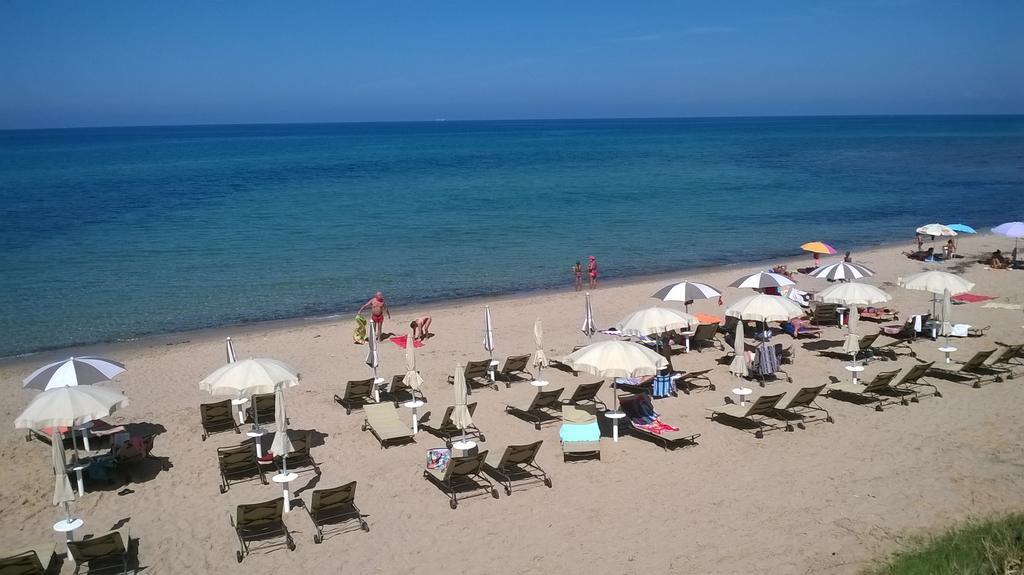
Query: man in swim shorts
{"type": "Point", "coordinates": [421, 328]}
{"type": "Point", "coordinates": [378, 307]}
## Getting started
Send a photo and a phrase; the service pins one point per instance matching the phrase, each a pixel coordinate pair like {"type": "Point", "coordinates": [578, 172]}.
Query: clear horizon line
{"type": "Point", "coordinates": [481, 120]}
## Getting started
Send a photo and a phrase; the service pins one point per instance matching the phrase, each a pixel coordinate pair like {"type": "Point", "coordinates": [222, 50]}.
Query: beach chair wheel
{"type": "Point", "coordinates": [790, 428]}
{"type": "Point", "coordinates": [366, 527]}
{"type": "Point", "coordinates": [453, 504]}
{"type": "Point", "coordinates": [547, 482]}
{"type": "Point", "coordinates": [238, 556]}
{"type": "Point", "coordinates": [508, 491]}
{"type": "Point", "coordinates": [317, 539]}
{"type": "Point", "coordinates": [291, 545]}
{"type": "Point", "coordinates": [829, 419]}
{"type": "Point", "coordinates": [801, 425]}
{"type": "Point", "coordinates": [482, 437]}
{"type": "Point", "coordinates": [976, 385]}
{"type": "Point", "coordinates": [494, 492]}
{"type": "Point", "coordinates": [711, 387]}
{"type": "Point", "coordinates": [223, 489]}
{"type": "Point", "coordinates": [759, 434]}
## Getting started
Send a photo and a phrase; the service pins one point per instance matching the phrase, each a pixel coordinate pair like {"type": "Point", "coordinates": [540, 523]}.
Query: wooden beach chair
{"type": "Point", "coordinates": [544, 407]}
{"type": "Point", "coordinates": [647, 423]}
{"type": "Point", "coordinates": [260, 522]}
{"type": "Point", "coordinates": [358, 393]}
{"type": "Point", "coordinates": [447, 428]}
{"type": "Point", "coordinates": [461, 475]}
{"type": "Point", "coordinates": [37, 560]}
{"type": "Point", "coordinates": [586, 392]}
{"type": "Point", "coordinates": [517, 464]}
{"type": "Point", "coordinates": [217, 417]}
{"type": "Point", "coordinates": [300, 456]}
{"type": "Point", "coordinates": [237, 464]}
{"type": "Point", "coordinates": [334, 506]}
{"type": "Point", "coordinates": [514, 369]}
{"type": "Point", "coordinates": [580, 433]}
{"type": "Point", "coordinates": [383, 421]}
{"type": "Point", "coordinates": [101, 552]}
{"type": "Point", "coordinates": [879, 391]}
{"type": "Point", "coordinates": [755, 414]}
{"type": "Point", "coordinates": [973, 371]}
{"type": "Point", "coordinates": [477, 374]}
{"type": "Point", "coordinates": [803, 408]}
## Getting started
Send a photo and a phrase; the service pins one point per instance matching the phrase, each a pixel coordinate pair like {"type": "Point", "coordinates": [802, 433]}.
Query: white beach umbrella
{"type": "Point", "coordinates": [947, 315]}
{"type": "Point", "coordinates": [1013, 230]}
{"type": "Point", "coordinates": [937, 282]}
{"type": "Point", "coordinates": [282, 444]}
{"type": "Point", "coordinates": [616, 358]}
{"type": "Point", "coordinates": [762, 280]}
{"type": "Point", "coordinates": [852, 294]}
{"type": "Point", "coordinates": [412, 377]}
{"type": "Point", "coordinates": [488, 332]}
{"type": "Point", "coordinates": [73, 371]}
{"type": "Point", "coordinates": [69, 406]}
{"type": "Point", "coordinates": [764, 308]}
{"type": "Point", "coordinates": [229, 348]}
{"type": "Point", "coordinates": [842, 271]}
{"type": "Point", "coordinates": [540, 360]}
{"type": "Point", "coordinates": [655, 320]}
{"type": "Point", "coordinates": [687, 291]}
{"type": "Point", "coordinates": [935, 230]}
{"type": "Point", "coordinates": [460, 414]}
{"type": "Point", "coordinates": [249, 377]}
{"type": "Point", "coordinates": [739, 362]}
{"type": "Point", "coordinates": [372, 353]}
{"type": "Point", "coordinates": [63, 493]}
{"type": "Point", "coordinates": [588, 327]}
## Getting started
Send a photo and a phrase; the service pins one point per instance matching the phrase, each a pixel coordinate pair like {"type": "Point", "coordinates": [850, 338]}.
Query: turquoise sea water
{"type": "Point", "coordinates": [116, 233]}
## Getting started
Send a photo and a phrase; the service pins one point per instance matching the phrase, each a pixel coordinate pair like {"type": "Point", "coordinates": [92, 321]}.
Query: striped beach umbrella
{"type": "Point", "coordinates": [73, 371]}
{"type": "Point", "coordinates": [686, 292]}
{"type": "Point", "coordinates": [762, 280]}
{"type": "Point", "coordinates": [588, 327]}
{"type": "Point", "coordinates": [229, 348]}
{"type": "Point", "coordinates": [842, 271]}
{"type": "Point", "coordinates": [488, 332]}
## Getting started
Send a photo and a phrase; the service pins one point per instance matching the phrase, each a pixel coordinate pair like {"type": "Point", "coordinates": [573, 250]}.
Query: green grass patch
{"type": "Point", "coordinates": [994, 547]}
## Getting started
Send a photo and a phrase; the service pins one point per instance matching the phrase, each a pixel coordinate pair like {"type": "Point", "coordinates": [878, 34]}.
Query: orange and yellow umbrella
{"type": "Point", "coordinates": [819, 248]}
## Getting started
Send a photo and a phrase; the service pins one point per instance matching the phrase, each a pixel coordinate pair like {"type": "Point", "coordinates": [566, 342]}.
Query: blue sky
{"type": "Point", "coordinates": [102, 63]}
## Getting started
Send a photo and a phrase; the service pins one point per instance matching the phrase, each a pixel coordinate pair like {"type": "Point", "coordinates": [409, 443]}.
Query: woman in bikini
{"type": "Point", "coordinates": [577, 270]}
{"type": "Point", "coordinates": [592, 271]}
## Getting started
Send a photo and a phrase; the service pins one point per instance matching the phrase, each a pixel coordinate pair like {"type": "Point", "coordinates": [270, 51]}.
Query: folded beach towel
{"type": "Point", "coordinates": [402, 341]}
{"type": "Point", "coordinates": [1001, 305]}
{"type": "Point", "coordinates": [705, 318]}
{"type": "Point", "coordinates": [971, 298]}
{"type": "Point", "coordinates": [359, 333]}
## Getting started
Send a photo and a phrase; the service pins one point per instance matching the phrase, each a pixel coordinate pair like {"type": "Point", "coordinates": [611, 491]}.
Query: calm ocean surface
{"type": "Point", "coordinates": [116, 233]}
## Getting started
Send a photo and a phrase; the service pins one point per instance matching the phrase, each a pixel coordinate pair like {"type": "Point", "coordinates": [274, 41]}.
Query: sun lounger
{"type": "Point", "coordinates": [383, 421]}
{"type": "Point", "coordinates": [686, 381]}
{"type": "Point", "coordinates": [565, 367]}
{"type": "Point", "coordinates": [913, 380]}
{"type": "Point", "coordinates": [358, 393]}
{"type": "Point", "coordinates": [825, 314]}
{"type": "Point", "coordinates": [447, 428]}
{"type": "Point", "coordinates": [462, 474]}
{"type": "Point", "coordinates": [517, 463]}
{"type": "Point", "coordinates": [238, 464]}
{"type": "Point", "coordinates": [802, 407]}
{"type": "Point", "coordinates": [514, 369]}
{"type": "Point", "coordinates": [580, 433]}
{"type": "Point", "coordinates": [260, 522]}
{"type": "Point", "coordinates": [646, 422]}
{"type": "Point", "coordinates": [216, 417]}
{"type": "Point", "coordinates": [399, 389]}
{"type": "Point", "coordinates": [904, 334]}
{"type": "Point", "coordinates": [878, 314]}
{"type": "Point", "coordinates": [973, 371]}
{"type": "Point", "coordinates": [878, 391]}
{"type": "Point", "coordinates": [37, 560]}
{"type": "Point", "coordinates": [704, 336]}
{"type": "Point", "coordinates": [586, 392]}
{"type": "Point", "coordinates": [757, 413]}
{"type": "Point", "coordinates": [300, 456]}
{"type": "Point", "coordinates": [261, 408]}
{"type": "Point", "coordinates": [477, 374]}
{"type": "Point", "coordinates": [1009, 358]}
{"type": "Point", "coordinates": [334, 506]}
{"type": "Point", "coordinates": [102, 552]}
{"type": "Point", "coordinates": [544, 407]}
{"type": "Point", "coordinates": [804, 330]}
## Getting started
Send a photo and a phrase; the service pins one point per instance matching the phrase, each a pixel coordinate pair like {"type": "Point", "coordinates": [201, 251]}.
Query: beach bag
{"type": "Point", "coordinates": [438, 458]}
{"type": "Point", "coordinates": [359, 333]}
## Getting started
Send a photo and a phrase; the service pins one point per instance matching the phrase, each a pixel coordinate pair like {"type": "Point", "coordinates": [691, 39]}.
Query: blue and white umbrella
{"type": "Point", "coordinates": [588, 327]}
{"type": "Point", "coordinates": [488, 332]}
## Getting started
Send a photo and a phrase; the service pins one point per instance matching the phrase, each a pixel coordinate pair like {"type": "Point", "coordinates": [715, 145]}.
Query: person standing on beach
{"type": "Point", "coordinates": [577, 270]}
{"type": "Point", "coordinates": [848, 258]}
{"type": "Point", "coordinates": [378, 307]}
{"type": "Point", "coordinates": [592, 271]}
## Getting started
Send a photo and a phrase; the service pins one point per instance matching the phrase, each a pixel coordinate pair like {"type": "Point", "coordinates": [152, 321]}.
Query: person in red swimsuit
{"type": "Point", "coordinates": [592, 271]}
{"type": "Point", "coordinates": [378, 307]}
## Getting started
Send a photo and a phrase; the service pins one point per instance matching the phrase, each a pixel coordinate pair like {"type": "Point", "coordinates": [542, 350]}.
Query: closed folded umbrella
{"type": "Point", "coordinates": [229, 349]}
{"type": "Point", "coordinates": [588, 319]}
{"type": "Point", "coordinates": [655, 320]}
{"type": "Point", "coordinates": [412, 377]}
{"type": "Point", "coordinates": [739, 361]}
{"type": "Point", "coordinates": [73, 371]}
{"type": "Point", "coordinates": [687, 291]}
{"type": "Point", "coordinates": [947, 315]}
{"type": "Point", "coordinates": [69, 406]}
{"type": "Point", "coordinates": [460, 414]}
{"type": "Point", "coordinates": [540, 360]}
{"type": "Point", "coordinates": [282, 444]}
{"type": "Point", "coordinates": [372, 353]}
{"type": "Point", "coordinates": [762, 280]}
{"type": "Point", "coordinates": [842, 271]}
{"type": "Point", "coordinates": [63, 493]}
{"type": "Point", "coordinates": [488, 332]}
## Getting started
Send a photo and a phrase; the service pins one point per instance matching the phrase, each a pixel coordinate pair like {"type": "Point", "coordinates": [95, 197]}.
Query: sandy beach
{"type": "Point", "coordinates": [825, 500]}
